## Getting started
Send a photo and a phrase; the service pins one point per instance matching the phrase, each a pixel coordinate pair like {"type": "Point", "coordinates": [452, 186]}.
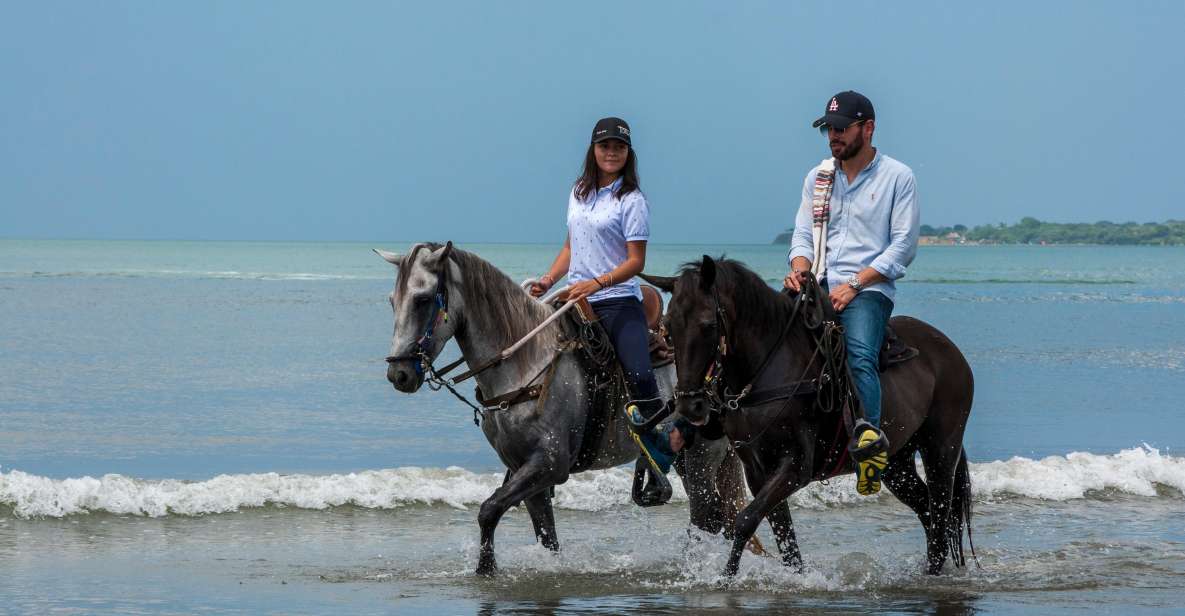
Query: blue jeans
{"type": "Point", "coordinates": [624, 321]}
{"type": "Point", "coordinates": [864, 323]}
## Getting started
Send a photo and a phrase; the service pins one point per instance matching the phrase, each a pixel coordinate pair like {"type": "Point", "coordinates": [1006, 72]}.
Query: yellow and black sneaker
{"type": "Point", "coordinates": [870, 452]}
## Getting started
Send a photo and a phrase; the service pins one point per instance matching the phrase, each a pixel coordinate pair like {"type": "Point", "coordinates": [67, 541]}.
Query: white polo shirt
{"type": "Point", "coordinates": [598, 230]}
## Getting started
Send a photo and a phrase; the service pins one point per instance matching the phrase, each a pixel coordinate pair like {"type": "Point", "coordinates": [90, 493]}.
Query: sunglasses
{"type": "Point", "coordinates": [827, 129]}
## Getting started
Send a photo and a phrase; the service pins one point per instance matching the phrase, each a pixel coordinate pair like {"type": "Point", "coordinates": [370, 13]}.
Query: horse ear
{"type": "Point", "coordinates": [707, 273]}
{"type": "Point", "coordinates": [389, 257]}
{"type": "Point", "coordinates": [666, 283]}
{"type": "Point", "coordinates": [440, 257]}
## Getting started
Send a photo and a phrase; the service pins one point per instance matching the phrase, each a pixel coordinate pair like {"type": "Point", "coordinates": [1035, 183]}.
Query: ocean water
{"type": "Point", "coordinates": [206, 426]}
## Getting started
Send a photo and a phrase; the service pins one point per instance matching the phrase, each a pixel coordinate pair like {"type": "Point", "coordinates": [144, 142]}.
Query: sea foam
{"type": "Point", "coordinates": [1143, 472]}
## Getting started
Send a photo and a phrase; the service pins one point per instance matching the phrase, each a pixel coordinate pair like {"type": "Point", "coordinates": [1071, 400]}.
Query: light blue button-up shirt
{"type": "Point", "coordinates": [874, 223]}
{"type": "Point", "coordinates": [597, 232]}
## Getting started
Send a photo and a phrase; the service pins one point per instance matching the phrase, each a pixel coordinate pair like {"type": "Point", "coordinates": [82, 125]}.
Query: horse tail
{"type": "Point", "coordinates": [961, 514]}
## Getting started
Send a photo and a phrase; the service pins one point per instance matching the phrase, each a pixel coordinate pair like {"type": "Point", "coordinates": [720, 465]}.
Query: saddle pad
{"type": "Point", "coordinates": [652, 307]}
{"type": "Point", "coordinates": [895, 351]}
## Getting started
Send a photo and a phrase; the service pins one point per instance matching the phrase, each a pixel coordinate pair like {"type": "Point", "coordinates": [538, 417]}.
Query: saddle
{"type": "Point", "coordinates": [608, 389]}
{"type": "Point", "coordinates": [895, 351]}
{"type": "Point", "coordinates": [652, 306]}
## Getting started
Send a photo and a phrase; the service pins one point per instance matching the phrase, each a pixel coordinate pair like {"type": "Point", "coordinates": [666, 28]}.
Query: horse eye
{"type": "Point", "coordinates": [420, 300]}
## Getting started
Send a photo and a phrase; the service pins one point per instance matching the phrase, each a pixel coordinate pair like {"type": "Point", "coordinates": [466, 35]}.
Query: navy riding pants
{"type": "Point", "coordinates": [623, 319]}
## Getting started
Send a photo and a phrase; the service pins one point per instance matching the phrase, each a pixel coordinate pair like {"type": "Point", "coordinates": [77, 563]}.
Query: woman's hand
{"type": "Point", "coordinates": [583, 289]}
{"type": "Point", "coordinates": [540, 286]}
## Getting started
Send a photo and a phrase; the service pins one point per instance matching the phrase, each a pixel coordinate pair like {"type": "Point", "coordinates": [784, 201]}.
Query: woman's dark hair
{"type": "Point", "coordinates": [589, 180]}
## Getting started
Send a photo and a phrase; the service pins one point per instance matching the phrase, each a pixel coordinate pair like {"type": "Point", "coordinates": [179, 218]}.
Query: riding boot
{"type": "Point", "coordinates": [644, 415]}
{"type": "Point", "coordinates": [654, 440]}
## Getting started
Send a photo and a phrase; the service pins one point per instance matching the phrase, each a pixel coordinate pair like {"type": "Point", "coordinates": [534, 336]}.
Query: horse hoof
{"type": "Point", "coordinates": [487, 569]}
{"type": "Point", "coordinates": [794, 563]}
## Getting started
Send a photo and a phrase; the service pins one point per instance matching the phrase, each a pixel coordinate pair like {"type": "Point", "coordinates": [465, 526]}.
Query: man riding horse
{"type": "Point", "coordinates": [861, 228]}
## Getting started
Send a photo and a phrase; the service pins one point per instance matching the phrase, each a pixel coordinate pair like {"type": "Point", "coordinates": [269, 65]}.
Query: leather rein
{"type": "Point", "coordinates": [436, 378]}
{"type": "Point", "coordinates": [718, 394]}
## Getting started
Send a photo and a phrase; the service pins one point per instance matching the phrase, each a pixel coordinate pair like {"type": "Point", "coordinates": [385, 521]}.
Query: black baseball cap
{"type": "Point", "coordinates": [611, 128]}
{"type": "Point", "coordinates": [845, 108]}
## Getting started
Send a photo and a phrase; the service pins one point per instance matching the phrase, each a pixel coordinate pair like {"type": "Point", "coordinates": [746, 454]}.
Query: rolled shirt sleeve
{"type": "Point", "coordinates": [802, 243]}
{"type": "Point", "coordinates": [903, 231]}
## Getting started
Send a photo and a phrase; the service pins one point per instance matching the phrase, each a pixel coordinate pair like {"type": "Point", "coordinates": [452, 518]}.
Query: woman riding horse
{"type": "Point", "coordinates": [608, 227]}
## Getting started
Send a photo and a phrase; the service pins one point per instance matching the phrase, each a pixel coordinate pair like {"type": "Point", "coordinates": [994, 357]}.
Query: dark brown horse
{"type": "Point", "coordinates": [766, 362]}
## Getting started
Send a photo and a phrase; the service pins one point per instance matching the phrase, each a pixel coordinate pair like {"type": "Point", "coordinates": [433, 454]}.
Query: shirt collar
{"type": "Point", "coordinates": [612, 187]}
{"type": "Point", "coordinates": [876, 160]}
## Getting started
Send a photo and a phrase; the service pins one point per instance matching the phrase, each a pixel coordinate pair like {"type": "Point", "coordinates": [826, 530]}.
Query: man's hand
{"type": "Point", "coordinates": [841, 296]}
{"type": "Point", "coordinates": [794, 280]}
{"type": "Point", "coordinates": [582, 289]}
{"type": "Point", "coordinates": [799, 266]}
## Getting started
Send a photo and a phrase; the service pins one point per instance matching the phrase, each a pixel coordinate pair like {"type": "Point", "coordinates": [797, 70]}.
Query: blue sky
{"type": "Point", "coordinates": [468, 121]}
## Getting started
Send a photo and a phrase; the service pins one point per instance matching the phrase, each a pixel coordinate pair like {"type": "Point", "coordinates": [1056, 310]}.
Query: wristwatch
{"type": "Point", "coordinates": [854, 282]}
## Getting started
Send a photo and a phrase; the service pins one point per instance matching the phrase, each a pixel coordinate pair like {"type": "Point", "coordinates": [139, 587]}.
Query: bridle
{"type": "Point", "coordinates": [720, 398]}
{"type": "Point", "coordinates": [419, 349]}
{"type": "Point", "coordinates": [435, 378]}
{"type": "Point", "coordinates": [711, 381]}
{"type": "Point", "coordinates": [830, 389]}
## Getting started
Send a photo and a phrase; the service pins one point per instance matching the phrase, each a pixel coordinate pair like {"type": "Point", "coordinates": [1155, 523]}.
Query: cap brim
{"type": "Point", "coordinates": [835, 120]}
{"type": "Point", "coordinates": [608, 137]}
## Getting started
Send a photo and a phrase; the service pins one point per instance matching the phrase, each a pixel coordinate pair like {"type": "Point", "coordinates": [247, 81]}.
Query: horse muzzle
{"type": "Point", "coordinates": [693, 408]}
{"type": "Point", "coordinates": [403, 375]}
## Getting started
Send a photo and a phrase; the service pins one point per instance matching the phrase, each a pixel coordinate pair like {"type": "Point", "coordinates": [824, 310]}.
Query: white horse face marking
{"type": "Point", "coordinates": [415, 305]}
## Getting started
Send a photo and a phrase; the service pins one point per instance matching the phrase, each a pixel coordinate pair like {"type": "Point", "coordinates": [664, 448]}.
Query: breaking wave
{"type": "Point", "coordinates": [1142, 472]}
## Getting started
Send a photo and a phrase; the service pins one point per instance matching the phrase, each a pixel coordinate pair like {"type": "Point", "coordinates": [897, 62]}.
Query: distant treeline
{"type": "Point", "coordinates": [1032, 231]}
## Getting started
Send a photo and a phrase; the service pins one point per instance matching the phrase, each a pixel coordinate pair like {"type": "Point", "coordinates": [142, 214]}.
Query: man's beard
{"type": "Point", "coordinates": [852, 148]}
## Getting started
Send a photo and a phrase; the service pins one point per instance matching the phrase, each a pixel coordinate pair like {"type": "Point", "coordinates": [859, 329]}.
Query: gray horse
{"type": "Point", "coordinates": [442, 293]}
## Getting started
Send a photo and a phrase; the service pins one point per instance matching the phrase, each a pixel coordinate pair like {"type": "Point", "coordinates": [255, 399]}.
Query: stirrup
{"type": "Point", "coordinates": [871, 459]}
{"type": "Point", "coordinates": [656, 491]}
{"type": "Point", "coordinates": [863, 445]}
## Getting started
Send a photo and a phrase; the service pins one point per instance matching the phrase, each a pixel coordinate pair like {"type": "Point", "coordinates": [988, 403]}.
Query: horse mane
{"type": "Point", "coordinates": [764, 308]}
{"type": "Point", "coordinates": [495, 304]}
